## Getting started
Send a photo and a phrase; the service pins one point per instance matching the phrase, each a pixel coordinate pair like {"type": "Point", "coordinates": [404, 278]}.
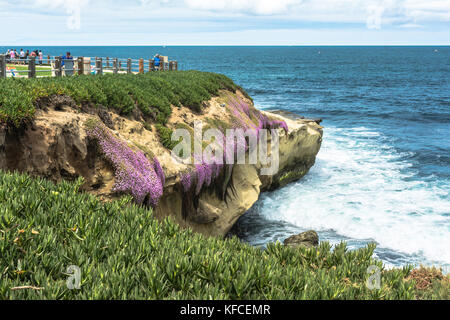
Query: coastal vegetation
{"type": "Point", "coordinates": [165, 136]}
{"type": "Point", "coordinates": [135, 174]}
{"type": "Point", "coordinates": [124, 253]}
{"type": "Point", "coordinates": [153, 93]}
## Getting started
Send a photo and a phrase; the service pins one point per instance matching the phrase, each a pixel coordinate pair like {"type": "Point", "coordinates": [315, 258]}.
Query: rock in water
{"type": "Point", "coordinates": [306, 239]}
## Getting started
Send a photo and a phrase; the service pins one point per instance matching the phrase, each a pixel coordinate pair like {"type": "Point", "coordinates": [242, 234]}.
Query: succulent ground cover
{"type": "Point", "coordinates": [124, 253]}
{"type": "Point", "coordinates": [153, 93]}
{"type": "Point", "coordinates": [165, 136]}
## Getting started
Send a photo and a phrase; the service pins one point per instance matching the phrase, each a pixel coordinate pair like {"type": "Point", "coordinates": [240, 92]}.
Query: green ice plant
{"type": "Point", "coordinates": [153, 93]}
{"type": "Point", "coordinates": [123, 252]}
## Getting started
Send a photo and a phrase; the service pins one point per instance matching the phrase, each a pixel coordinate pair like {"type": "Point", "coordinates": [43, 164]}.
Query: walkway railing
{"type": "Point", "coordinates": [57, 66]}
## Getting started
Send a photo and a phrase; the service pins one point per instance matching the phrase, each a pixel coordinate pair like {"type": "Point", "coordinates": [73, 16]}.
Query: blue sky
{"type": "Point", "coordinates": [225, 22]}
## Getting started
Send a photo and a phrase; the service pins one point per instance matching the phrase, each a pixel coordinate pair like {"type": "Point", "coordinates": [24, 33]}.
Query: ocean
{"type": "Point", "coordinates": [383, 173]}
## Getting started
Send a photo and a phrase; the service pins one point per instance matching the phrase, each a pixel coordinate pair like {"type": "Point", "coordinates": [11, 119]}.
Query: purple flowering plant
{"type": "Point", "coordinates": [134, 172]}
{"type": "Point", "coordinates": [245, 117]}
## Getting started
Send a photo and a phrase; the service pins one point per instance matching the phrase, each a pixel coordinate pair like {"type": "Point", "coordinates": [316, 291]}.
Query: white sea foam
{"type": "Point", "coordinates": [359, 189]}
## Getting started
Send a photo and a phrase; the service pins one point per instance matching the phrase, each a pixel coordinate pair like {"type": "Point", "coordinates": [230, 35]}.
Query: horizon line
{"type": "Point", "coordinates": [235, 45]}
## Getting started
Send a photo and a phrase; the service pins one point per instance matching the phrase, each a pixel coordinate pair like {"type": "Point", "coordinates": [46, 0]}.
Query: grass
{"type": "Point", "coordinates": [124, 253]}
{"type": "Point", "coordinates": [153, 93]}
{"type": "Point", "coordinates": [47, 73]}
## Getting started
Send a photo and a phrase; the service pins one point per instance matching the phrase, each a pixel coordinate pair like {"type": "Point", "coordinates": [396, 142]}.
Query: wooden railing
{"type": "Point", "coordinates": [57, 66]}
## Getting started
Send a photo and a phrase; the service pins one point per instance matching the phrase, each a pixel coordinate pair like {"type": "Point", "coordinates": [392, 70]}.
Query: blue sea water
{"type": "Point", "coordinates": [383, 173]}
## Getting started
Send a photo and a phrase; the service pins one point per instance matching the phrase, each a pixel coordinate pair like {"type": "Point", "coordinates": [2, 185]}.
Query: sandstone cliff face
{"type": "Point", "coordinates": [55, 146]}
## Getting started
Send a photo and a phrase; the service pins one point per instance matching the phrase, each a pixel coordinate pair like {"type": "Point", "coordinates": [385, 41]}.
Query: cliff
{"type": "Point", "coordinates": [56, 145]}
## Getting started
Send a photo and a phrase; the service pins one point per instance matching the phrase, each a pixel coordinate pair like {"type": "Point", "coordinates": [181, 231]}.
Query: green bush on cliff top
{"type": "Point", "coordinates": [124, 253]}
{"type": "Point", "coordinates": [153, 93]}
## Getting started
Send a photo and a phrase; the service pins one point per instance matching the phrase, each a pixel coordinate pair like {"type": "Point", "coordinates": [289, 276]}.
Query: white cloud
{"type": "Point", "coordinates": [374, 13]}
{"type": "Point", "coordinates": [411, 25]}
{"type": "Point", "coordinates": [261, 7]}
{"type": "Point", "coordinates": [146, 2]}
{"type": "Point", "coordinates": [71, 7]}
{"type": "Point", "coordinates": [188, 16]}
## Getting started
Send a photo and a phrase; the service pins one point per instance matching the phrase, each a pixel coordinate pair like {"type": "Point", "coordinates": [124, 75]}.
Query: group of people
{"type": "Point", "coordinates": [21, 57]}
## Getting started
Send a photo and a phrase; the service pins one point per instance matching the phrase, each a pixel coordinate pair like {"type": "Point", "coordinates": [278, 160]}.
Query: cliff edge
{"type": "Point", "coordinates": [56, 144]}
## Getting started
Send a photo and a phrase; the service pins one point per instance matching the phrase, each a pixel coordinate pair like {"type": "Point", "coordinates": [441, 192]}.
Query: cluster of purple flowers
{"type": "Point", "coordinates": [134, 173]}
{"type": "Point", "coordinates": [201, 176]}
{"type": "Point", "coordinates": [159, 171]}
{"type": "Point", "coordinates": [242, 112]}
{"type": "Point", "coordinates": [186, 181]}
{"type": "Point", "coordinates": [204, 172]}
{"type": "Point", "coordinates": [246, 117]}
{"type": "Point", "coordinates": [266, 123]}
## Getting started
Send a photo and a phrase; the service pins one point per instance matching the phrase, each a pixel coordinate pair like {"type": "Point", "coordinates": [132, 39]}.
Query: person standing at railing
{"type": "Point", "coordinates": [65, 58]}
{"type": "Point", "coordinates": [41, 56]}
{"type": "Point", "coordinates": [12, 55]}
{"type": "Point", "coordinates": [157, 62]}
{"type": "Point", "coordinates": [67, 63]}
{"type": "Point", "coordinates": [8, 55]}
{"type": "Point", "coordinates": [22, 56]}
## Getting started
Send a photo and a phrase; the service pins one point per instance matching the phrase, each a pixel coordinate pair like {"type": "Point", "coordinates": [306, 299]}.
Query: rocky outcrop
{"type": "Point", "coordinates": [297, 152]}
{"type": "Point", "coordinates": [307, 239]}
{"type": "Point", "coordinates": [55, 146]}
